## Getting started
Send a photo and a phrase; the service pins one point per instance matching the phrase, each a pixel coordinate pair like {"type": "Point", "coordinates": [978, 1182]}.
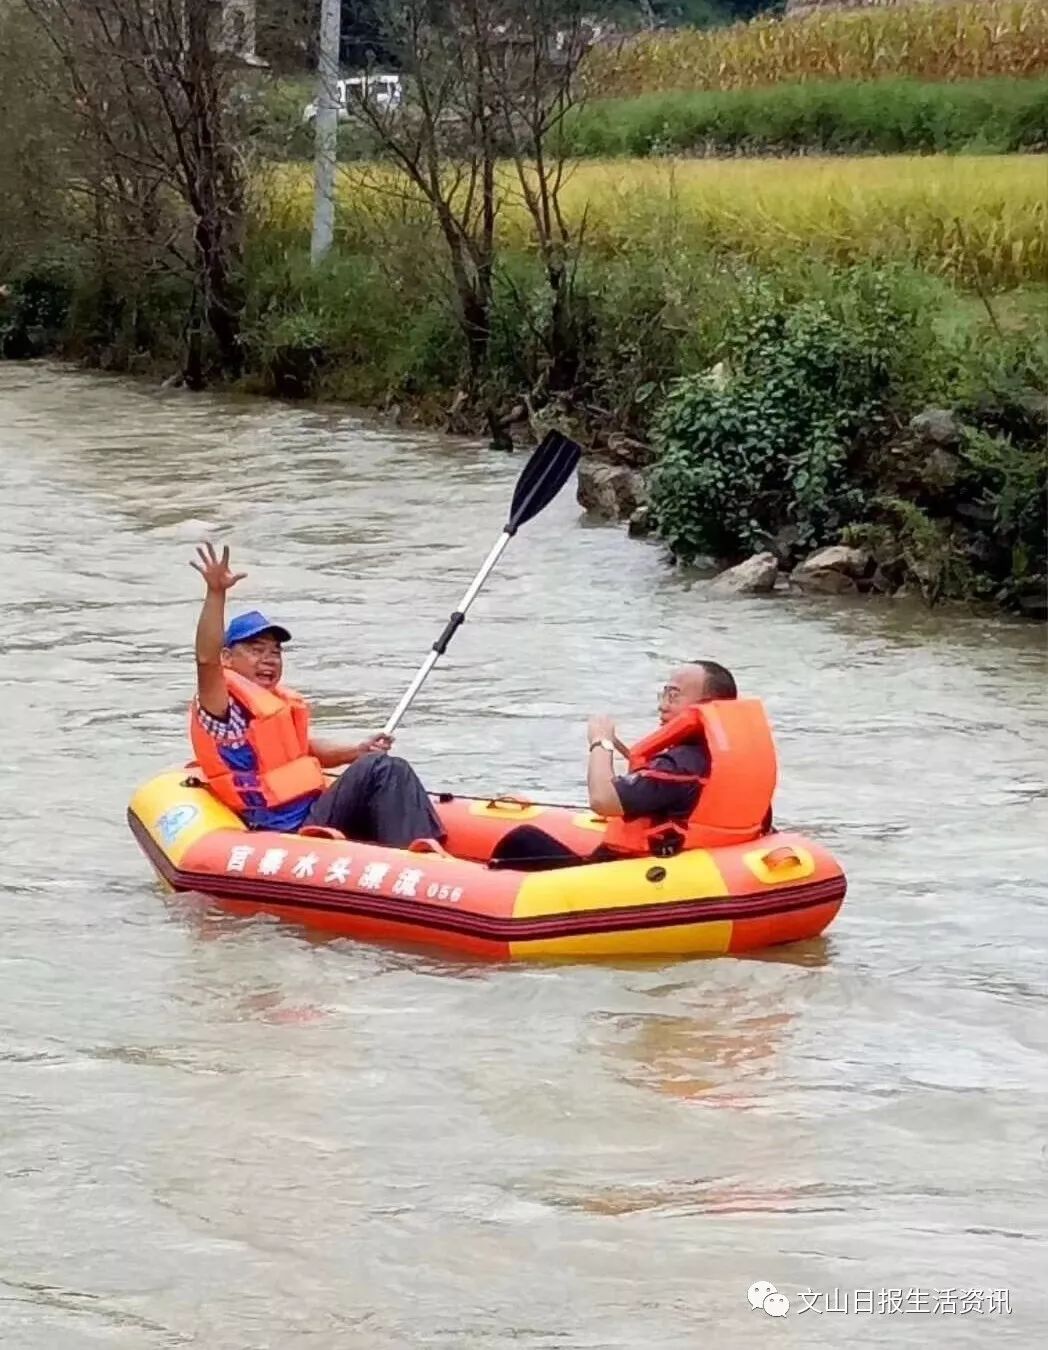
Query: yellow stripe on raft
{"type": "Point", "coordinates": [615, 885]}
{"type": "Point", "coordinates": [686, 939]}
{"type": "Point", "coordinates": [579, 890]}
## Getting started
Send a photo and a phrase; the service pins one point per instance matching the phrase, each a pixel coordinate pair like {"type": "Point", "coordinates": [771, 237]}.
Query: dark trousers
{"type": "Point", "coordinates": [378, 799]}
{"type": "Point", "coordinates": [529, 849]}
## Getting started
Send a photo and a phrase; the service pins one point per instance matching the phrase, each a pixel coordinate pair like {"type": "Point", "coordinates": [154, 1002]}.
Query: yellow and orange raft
{"type": "Point", "coordinates": [781, 888]}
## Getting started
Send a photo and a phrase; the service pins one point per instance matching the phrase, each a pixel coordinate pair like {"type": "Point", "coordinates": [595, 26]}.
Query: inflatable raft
{"type": "Point", "coordinates": [780, 888]}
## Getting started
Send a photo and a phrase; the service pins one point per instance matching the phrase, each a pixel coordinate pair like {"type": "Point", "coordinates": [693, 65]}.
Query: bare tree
{"type": "Point", "coordinates": [151, 84]}
{"type": "Point", "coordinates": [533, 70]}
{"type": "Point", "coordinates": [443, 145]}
{"type": "Point", "coordinates": [485, 80]}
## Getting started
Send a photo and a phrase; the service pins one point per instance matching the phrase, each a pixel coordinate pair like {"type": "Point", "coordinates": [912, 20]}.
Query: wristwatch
{"type": "Point", "coordinates": [604, 744]}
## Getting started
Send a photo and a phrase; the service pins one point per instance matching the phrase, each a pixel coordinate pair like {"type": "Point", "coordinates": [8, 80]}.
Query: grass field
{"type": "Point", "coordinates": [1000, 115]}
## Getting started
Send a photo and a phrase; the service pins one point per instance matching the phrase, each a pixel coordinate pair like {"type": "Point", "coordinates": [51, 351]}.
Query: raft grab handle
{"type": "Point", "coordinates": [780, 857]}
{"type": "Point", "coordinates": [508, 799]}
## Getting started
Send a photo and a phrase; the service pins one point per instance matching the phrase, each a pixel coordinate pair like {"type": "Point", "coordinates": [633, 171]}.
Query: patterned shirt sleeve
{"type": "Point", "coordinates": [230, 730]}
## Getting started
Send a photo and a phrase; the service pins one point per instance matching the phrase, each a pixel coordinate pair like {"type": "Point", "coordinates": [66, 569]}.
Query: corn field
{"type": "Point", "coordinates": [955, 41]}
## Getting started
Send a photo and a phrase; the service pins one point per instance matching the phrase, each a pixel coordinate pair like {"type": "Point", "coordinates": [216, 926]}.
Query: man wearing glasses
{"type": "Point", "coordinates": [704, 779]}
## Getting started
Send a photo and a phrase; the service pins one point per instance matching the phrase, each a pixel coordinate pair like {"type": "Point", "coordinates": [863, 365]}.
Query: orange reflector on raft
{"type": "Point", "coordinates": [776, 865]}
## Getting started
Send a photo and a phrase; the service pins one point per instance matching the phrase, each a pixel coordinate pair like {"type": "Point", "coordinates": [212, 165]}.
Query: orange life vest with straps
{"type": "Point", "coordinates": [278, 734]}
{"type": "Point", "coordinates": [736, 794]}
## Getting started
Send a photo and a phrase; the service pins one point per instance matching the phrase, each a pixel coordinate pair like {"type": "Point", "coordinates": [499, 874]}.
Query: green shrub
{"type": "Point", "coordinates": [912, 548]}
{"type": "Point", "coordinates": [33, 317]}
{"type": "Point", "coordinates": [1010, 481]}
{"type": "Point", "coordinates": [887, 117]}
{"type": "Point", "coordinates": [119, 319]}
{"type": "Point", "coordinates": [773, 445]}
{"type": "Point", "coordinates": [348, 329]}
{"type": "Point", "coordinates": [803, 437]}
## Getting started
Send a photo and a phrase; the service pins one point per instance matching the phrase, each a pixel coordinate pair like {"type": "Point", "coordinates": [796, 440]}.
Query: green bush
{"type": "Point", "coordinates": [430, 358]}
{"type": "Point", "coordinates": [347, 329]}
{"type": "Point", "coordinates": [802, 436]}
{"type": "Point", "coordinates": [913, 548]}
{"type": "Point", "coordinates": [772, 445]}
{"type": "Point", "coordinates": [1011, 481]}
{"type": "Point", "coordinates": [114, 317]}
{"type": "Point", "coordinates": [988, 375]}
{"type": "Point", "coordinates": [33, 316]}
{"type": "Point", "coordinates": [303, 321]}
{"type": "Point", "coordinates": [886, 117]}
{"type": "Point", "coordinates": [988, 538]}
{"type": "Point", "coordinates": [271, 116]}
{"type": "Point", "coordinates": [120, 319]}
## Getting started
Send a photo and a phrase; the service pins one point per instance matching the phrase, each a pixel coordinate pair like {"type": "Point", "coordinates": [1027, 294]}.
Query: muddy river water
{"type": "Point", "coordinates": [222, 1133]}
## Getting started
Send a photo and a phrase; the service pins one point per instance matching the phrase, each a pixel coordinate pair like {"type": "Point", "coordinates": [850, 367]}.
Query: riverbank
{"type": "Point", "coordinates": [841, 302]}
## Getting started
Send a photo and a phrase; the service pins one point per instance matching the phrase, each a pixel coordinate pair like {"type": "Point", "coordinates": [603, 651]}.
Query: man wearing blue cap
{"type": "Point", "coordinates": [251, 737]}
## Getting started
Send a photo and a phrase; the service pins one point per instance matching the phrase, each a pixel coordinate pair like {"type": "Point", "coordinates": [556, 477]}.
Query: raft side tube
{"type": "Point", "coordinates": [778, 889]}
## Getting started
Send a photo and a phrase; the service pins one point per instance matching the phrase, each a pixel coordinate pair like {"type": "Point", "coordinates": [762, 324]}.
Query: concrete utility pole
{"type": "Point", "coordinates": [326, 129]}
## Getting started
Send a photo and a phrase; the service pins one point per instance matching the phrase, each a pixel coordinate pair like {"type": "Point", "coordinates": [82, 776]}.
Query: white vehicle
{"type": "Point", "coordinates": [385, 91]}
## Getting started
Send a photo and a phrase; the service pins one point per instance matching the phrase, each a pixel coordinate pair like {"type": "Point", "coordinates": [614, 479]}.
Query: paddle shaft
{"type": "Point", "coordinates": [547, 470]}
{"type": "Point", "coordinates": [455, 621]}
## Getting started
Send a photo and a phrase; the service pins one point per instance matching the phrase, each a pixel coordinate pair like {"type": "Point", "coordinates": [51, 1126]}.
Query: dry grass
{"type": "Point", "coordinates": [980, 216]}
{"type": "Point", "coordinates": [964, 217]}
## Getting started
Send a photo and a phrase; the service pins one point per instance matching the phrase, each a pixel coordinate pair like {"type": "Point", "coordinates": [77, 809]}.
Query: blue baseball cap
{"type": "Point", "coordinates": [247, 626]}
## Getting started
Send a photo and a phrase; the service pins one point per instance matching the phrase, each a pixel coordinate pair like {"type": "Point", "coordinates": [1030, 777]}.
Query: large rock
{"type": "Point", "coordinates": [1033, 603]}
{"type": "Point", "coordinates": [785, 544]}
{"type": "Point", "coordinates": [614, 491]}
{"type": "Point", "coordinates": [942, 469]}
{"type": "Point", "coordinates": [937, 426]}
{"type": "Point", "coordinates": [824, 583]}
{"type": "Point", "coordinates": [755, 576]}
{"type": "Point", "coordinates": [625, 450]}
{"type": "Point", "coordinates": [832, 571]}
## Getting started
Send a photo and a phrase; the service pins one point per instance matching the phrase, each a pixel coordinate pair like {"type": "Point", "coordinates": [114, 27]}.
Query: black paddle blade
{"type": "Point", "coordinates": [551, 464]}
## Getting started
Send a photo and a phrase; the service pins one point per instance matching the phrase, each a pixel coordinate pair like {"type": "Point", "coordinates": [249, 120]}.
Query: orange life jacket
{"type": "Point", "coordinates": [278, 733]}
{"type": "Point", "coordinates": [736, 794]}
